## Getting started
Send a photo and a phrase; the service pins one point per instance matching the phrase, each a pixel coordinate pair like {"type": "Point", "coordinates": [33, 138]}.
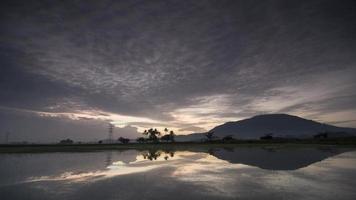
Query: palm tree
{"type": "Point", "coordinates": [172, 135]}
{"type": "Point", "coordinates": [152, 134]}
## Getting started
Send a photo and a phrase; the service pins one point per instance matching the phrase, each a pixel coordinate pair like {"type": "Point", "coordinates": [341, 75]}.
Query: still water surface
{"type": "Point", "coordinates": [233, 173]}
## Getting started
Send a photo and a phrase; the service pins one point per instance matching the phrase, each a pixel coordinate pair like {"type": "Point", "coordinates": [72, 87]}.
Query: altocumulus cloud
{"type": "Point", "coordinates": [188, 65]}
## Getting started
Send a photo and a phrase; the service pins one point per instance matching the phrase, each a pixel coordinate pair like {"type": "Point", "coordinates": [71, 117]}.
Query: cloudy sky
{"type": "Point", "coordinates": [68, 68]}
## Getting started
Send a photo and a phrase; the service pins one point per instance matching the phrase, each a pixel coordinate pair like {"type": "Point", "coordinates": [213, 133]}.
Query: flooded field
{"type": "Point", "coordinates": [219, 173]}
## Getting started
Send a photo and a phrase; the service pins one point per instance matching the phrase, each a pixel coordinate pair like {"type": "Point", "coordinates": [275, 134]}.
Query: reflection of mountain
{"type": "Point", "coordinates": [275, 159]}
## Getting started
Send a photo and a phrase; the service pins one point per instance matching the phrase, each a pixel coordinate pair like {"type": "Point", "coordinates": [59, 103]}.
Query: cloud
{"type": "Point", "coordinates": [194, 129]}
{"type": "Point", "coordinates": [179, 64]}
{"type": "Point", "coordinates": [31, 127]}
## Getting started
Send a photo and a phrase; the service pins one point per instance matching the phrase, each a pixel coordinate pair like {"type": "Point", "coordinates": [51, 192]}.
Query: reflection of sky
{"type": "Point", "coordinates": [141, 164]}
{"type": "Point", "coordinates": [207, 175]}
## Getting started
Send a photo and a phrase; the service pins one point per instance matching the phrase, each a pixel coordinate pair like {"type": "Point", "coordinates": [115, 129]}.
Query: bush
{"type": "Point", "coordinates": [124, 140]}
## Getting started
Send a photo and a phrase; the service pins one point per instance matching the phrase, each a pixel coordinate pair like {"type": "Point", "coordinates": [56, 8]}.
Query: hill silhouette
{"type": "Point", "coordinates": [279, 125]}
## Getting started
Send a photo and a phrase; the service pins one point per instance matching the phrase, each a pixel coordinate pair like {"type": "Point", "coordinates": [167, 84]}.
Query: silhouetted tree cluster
{"type": "Point", "coordinates": [268, 136]}
{"type": "Point", "coordinates": [321, 136]}
{"type": "Point", "coordinates": [165, 138]}
{"type": "Point", "coordinates": [227, 138]}
{"type": "Point", "coordinates": [66, 141]}
{"type": "Point", "coordinates": [153, 135]}
{"type": "Point", "coordinates": [124, 140]}
{"type": "Point", "coordinates": [169, 136]}
{"type": "Point", "coordinates": [141, 140]}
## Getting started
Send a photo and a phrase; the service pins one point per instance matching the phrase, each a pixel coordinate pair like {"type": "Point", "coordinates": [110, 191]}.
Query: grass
{"type": "Point", "coordinates": [192, 146]}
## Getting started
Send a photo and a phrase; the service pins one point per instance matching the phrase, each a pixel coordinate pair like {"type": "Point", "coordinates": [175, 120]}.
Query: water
{"type": "Point", "coordinates": [230, 173]}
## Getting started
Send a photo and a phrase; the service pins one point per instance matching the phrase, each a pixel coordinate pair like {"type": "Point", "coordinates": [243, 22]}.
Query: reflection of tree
{"type": "Point", "coordinates": [212, 151]}
{"type": "Point", "coordinates": [327, 149]}
{"type": "Point", "coordinates": [153, 154]}
{"type": "Point", "coordinates": [270, 149]}
{"type": "Point", "coordinates": [169, 153]}
{"type": "Point", "coordinates": [229, 149]}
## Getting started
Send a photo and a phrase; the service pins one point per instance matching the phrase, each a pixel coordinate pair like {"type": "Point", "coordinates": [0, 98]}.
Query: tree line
{"type": "Point", "coordinates": [153, 135]}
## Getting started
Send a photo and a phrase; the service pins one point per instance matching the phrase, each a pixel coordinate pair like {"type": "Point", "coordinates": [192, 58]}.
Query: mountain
{"type": "Point", "coordinates": [280, 125]}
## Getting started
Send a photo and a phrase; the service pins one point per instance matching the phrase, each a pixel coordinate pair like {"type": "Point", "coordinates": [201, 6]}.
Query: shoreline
{"type": "Point", "coordinates": [47, 148]}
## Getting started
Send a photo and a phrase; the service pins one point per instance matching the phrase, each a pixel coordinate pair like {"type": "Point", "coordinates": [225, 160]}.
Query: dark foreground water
{"type": "Point", "coordinates": [239, 173]}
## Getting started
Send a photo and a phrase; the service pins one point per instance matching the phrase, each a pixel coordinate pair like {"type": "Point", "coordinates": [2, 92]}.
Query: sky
{"type": "Point", "coordinates": [69, 68]}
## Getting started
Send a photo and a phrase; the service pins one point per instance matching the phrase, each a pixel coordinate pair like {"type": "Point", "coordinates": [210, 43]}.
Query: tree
{"type": "Point", "coordinates": [140, 140]}
{"type": "Point", "coordinates": [172, 136]}
{"type": "Point", "coordinates": [268, 136]}
{"type": "Point", "coordinates": [152, 134]}
{"type": "Point", "coordinates": [209, 135]}
{"type": "Point", "coordinates": [66, 141]}
{"type": "Point", "coordinates": [227, 138]}
{"type": "Point", "coordinates": [124, 140]}
{"type": "Point", "coordinates": [166, 138]}
{"type": "Point", "coordinates": [321, 135]}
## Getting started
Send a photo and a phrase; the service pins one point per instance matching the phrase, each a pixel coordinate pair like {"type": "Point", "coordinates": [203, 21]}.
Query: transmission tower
{"type": "Point", "coordinates": [111, 131]}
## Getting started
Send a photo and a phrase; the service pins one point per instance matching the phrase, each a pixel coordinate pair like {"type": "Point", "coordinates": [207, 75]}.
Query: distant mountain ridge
{"type": "Point", "coordinates": [280, 125]}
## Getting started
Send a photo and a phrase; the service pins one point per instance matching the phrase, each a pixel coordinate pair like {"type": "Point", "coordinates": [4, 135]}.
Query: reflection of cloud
{"type": "Point", "coordinates": [116, 169]}
{"type": "Point", "coordinates": [119, 168]}
{"type": "Point", "coordinates": [208, 175]}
